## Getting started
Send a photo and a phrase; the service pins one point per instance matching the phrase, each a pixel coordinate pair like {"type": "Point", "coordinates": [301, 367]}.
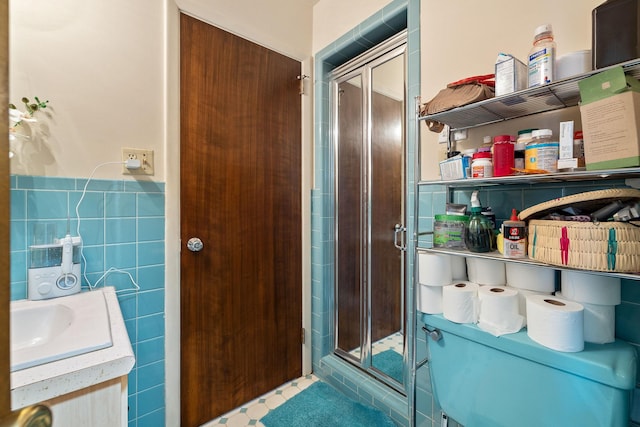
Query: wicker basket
{"type": "Point", "coordinates": [599, 246]}
{"type": "Point", "coordinates": [605, 246]}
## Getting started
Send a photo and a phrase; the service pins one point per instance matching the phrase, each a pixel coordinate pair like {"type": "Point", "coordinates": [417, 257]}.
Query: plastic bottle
{"type": "Point", "coordinates": [482, 165]}
{"type": "Point", "coordinates": [541, 154]}
{"type": "Point", "coordinates": [467, 158]}
{"type": "Point", "coordinates": [487, 142]}
{"type": "Point", "coordinates": [542, 57]}
{"type": "Point", "coordinates": [479, 236]}
{"type": "Point", "coordinates": [503, 155]}
{"type": "Point", "coordinates": [524, 137]}
{"type": "Point", "coordinates": [514, 237]}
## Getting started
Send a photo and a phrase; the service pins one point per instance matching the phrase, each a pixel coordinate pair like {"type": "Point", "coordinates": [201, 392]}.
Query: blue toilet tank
{"type": "Point", "coordinates": [480, 380]}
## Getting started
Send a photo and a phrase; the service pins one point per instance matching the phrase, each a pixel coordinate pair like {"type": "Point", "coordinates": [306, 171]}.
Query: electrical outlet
{"type": "Point", "coordinates": [460, 135]}
{"type": "Point", "coordinates": [145, 157]}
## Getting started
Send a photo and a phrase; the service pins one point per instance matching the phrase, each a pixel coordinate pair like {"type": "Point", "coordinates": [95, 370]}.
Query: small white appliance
{"type": "Point", "coordinates": [54, 268]}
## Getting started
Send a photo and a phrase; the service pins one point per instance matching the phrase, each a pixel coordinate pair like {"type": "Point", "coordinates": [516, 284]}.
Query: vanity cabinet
{"type": "Point", "coordinates": [100, 405]}
{"type": "Point", "coordinates": [554, 96]}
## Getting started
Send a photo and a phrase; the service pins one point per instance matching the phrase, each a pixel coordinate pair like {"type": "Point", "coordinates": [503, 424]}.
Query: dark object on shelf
{"type": "Point", "coordinates": [461, 92]}
{"type": "Point", "coordinates": [615, 32]}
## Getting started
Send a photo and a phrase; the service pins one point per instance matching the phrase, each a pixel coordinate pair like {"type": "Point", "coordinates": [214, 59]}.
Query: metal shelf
{"type": "Point", "coordinates": [556, 95]}
{"type": "Point", "coordinates": [559, 177]}
{"type": "Point", "coordinates": [498, 256]}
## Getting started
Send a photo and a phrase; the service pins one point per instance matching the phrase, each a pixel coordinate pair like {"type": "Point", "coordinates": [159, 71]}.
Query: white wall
{"type": "Point", "coordinates": [281, 25]}
{"type": "Point", "coordinates": [461, 38]}
{"type": "Point", "coordinates": [100, 64]}
{"type": "Point", "coordinates": [333, 18]}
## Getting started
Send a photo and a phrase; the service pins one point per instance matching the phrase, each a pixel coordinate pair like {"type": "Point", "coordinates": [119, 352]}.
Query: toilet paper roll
{"type": "Point", "coordinates": [460, 302]}
{"type": "Point", "coordinates": [531, 277]}
{"type": "Point", "coordinates": [458, 268]}
{"type": "Point", "coordinates": [522, 300]}
{"type": "Point", "coordinates": [590, 288]}
{"type": "Point", "coordinates": [486, 271]}
{"type": "Point", "coordinates": [430, 299]}
{"type": "Point", "coordinates": [599, 322]}
{"type": "Point", "coordinates": [499, 310]}
{"type": "Point", "coordinates": [556, 323]}
{"type": "Point", "coordinates": [434, 269]}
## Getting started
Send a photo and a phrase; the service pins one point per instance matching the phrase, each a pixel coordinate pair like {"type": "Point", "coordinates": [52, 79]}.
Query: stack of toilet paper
{"type": "Point", "coordinates": [500, 311]}
{"type": "Point", "coordinates": [556, 323]}
{"type": "Point", "coordinates": [599, 296]}
{"type": "Point", "coordinates": [434, 272]}
{"type": "Point", "coordinates": [529, 280]}
{"type": "Point", "coordinates": [583, 311]}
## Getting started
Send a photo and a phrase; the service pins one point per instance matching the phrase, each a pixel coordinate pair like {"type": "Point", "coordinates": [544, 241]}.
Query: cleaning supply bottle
{"type": "Point", "coordinates": [479, 236]}
{"type": "Point", "coordinates": [514, 237]}
{"type": "Point", "coordinates": [542, 57]}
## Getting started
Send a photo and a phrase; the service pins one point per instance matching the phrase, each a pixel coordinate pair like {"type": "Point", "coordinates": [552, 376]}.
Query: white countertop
{"type": "Point", "coordinates": [44, 382]}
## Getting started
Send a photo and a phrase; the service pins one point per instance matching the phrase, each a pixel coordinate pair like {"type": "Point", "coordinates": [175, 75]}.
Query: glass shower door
{"type": "Point", "coordinates": [369, 106]}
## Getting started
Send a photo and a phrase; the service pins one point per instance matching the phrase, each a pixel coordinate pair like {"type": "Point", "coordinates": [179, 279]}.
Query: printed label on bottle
{"type": "Point", "coordinates": [541, 67]}
{"type": "Point", "coordinates": [514, 241]}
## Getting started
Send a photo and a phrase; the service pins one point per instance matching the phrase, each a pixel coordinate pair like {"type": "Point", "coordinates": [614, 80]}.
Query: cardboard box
{"type": "Point", "coordinates": [610, 111]}
{"type": "Point", "coordinates": [610, 127]}
{"type": "Point", "coordinates": [455, 168]}
{"type": "Point", "coordinates": [606, 84]}
{"type": "Point", "coordinates": [511, 75]}
{"type": "Point", "coordinates": [566, 140]}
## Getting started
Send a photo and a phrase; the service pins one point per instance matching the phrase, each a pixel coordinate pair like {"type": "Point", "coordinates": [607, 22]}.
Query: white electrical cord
{"type": "Point", "coordinates": [136, 287]}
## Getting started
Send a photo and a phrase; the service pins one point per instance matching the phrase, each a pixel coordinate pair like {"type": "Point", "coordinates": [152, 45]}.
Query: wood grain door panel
{"type": "Point", "coordinates": [240, 160]}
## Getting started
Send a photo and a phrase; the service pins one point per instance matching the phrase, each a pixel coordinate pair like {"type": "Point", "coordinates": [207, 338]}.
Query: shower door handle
{"type": "Point", "coordinates": [399, 229]}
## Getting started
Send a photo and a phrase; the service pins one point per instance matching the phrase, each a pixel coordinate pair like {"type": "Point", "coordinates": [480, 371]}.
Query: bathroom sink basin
{"type": "Point", "coordinates": [49, 330]}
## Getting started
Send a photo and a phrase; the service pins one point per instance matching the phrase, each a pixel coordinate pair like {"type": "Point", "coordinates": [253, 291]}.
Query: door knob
{"type": "Point", "coordinates": [194, 244]}
{"type": "Point", "coordinates": [31, 416]}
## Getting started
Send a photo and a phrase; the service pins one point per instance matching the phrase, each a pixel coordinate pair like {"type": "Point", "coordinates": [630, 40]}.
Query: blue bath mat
{"type": "Point", "coordinates": [390, 362]}
{"type": "Point", "coordinates": [321, 405]}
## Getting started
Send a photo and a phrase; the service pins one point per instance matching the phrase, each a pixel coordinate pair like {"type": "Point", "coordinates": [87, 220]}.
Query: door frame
{"type": "Point", "coordinates": [172, 204]}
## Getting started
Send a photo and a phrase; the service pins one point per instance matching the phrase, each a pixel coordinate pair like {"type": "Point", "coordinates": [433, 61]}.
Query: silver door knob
{"type": "Point", "coordinates": [194, 244]}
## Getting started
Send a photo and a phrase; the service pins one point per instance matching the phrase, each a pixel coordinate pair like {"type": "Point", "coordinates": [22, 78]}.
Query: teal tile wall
{"type": "Point", "coordinates": [394, 17]}
{"type": "Point", "coordinates": [432, 201]}
{"type": "Point", "coordinates": [122, 226]}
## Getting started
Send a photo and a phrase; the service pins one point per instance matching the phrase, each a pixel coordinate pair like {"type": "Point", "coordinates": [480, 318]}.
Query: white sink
{"type": "Point", "coordinates": [91, 349]}
{"type": "Point", "coordinates": [48, 330]}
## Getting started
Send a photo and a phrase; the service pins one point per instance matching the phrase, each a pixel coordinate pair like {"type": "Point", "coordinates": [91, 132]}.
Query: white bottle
{"type": "Point", "coordinates": [542, 57]}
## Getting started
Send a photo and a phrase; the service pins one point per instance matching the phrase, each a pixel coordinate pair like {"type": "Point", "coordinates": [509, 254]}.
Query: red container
{"type": "Point", "coordinates": [503, 157]}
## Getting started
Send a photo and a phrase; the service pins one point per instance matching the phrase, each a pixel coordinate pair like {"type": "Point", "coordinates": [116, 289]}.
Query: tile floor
{"type": "Point", "coordinates": [250, 413]}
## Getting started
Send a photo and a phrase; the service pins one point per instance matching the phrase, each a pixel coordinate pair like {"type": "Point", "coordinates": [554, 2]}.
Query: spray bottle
{"type": "Point", "coordinates": [479, 235]}
{"type": "Point", "coordinates": [514, 237]}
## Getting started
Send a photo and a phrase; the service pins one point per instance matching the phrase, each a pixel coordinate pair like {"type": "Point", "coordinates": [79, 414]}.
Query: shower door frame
{"type": "Point", "coordinates": [363, 65]}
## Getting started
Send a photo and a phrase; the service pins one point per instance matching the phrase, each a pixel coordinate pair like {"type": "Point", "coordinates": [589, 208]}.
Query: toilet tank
{"type": "Point", "coordinates": [482, 380]}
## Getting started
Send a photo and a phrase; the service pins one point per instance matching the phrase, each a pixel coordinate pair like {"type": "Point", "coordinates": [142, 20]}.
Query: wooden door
{"type": "Point", "coordinates": [240, 160]}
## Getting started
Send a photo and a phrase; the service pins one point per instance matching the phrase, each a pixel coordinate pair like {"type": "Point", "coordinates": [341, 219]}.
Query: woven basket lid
{"type": "Point", "coordinates": [590, 201]}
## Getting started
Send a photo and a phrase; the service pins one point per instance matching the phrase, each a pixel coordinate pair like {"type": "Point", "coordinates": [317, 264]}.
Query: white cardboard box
{"type": "Point", "coordinates": [511, 75]}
